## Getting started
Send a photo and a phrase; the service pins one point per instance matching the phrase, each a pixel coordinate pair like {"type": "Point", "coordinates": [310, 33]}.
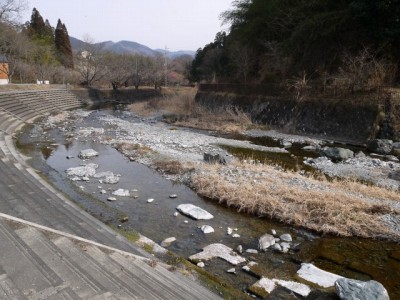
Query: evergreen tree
{"type": "Point", "coordinates": [39, 29]}
{"type": "Point", "coordinates": [63, 45]}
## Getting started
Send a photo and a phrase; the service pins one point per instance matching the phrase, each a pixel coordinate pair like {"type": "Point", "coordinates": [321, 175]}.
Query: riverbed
{"type": "Point", "coordinates": [54, 146]}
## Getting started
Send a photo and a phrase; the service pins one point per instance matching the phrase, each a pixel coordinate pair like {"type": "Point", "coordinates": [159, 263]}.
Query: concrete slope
{"type": "Point", "coordinates": [40, 263]}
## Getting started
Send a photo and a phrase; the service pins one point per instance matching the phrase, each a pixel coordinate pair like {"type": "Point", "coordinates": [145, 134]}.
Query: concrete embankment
{"type": "Point", "coordinates": [100, 96]}
{"type": "Point", "coordinates": [336, 118]}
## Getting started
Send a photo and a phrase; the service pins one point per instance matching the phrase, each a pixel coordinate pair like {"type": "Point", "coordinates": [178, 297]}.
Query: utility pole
{"type": "Point", "coordinates": [166, 66]}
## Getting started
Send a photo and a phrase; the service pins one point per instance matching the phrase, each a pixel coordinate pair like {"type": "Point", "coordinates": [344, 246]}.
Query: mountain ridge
{"type": "Point", "coordinates": [130, 47]}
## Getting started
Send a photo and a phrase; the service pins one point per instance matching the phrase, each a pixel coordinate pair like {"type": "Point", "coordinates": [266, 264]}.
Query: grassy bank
{"type": "Point", "coordinates": [178, 107]}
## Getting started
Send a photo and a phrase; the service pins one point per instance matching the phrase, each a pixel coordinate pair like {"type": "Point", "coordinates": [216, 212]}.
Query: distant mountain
{"type": "Point", "coordinates": [175, 54]}
{"type": "Point", "coordinates": [130, 48]}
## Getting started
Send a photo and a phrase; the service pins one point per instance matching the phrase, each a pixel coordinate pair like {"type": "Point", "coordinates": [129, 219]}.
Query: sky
{"type": "Point", "coordinates": [175, 24]}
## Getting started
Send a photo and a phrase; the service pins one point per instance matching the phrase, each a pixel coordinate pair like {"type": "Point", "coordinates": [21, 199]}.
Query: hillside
{"type": "Point", "coordinates": [129, 47]}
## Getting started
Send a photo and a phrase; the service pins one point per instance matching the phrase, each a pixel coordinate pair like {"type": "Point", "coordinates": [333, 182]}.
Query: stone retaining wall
{"type": "Point", "coordinates": [339, 119]}
{"type": "Point", "coordinates": [97, 96]}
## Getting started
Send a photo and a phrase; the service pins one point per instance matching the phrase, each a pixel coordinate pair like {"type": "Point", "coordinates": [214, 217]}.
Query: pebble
{"type": "Point", "coordinates": [103, 192]}
{"type": "Point", "coordinates": [231, 271]}
{"type": "Point", "coordinates": [150, 200]}
{"type": "Point", "coordinates": [239, 249]}
{"type": "Point", "coordinates": [200, 264]}
{"type": "Point", "coordinates": [176, 214]}
{"type": "Point", "coordinates": [253, 251]}
{"type": "Point", "coordinates": [229, 231]}
{"type": "Point", "coordinates": [273, 231]}
{"type": "Point", "coordinates": [207, 229]}
{"type": "Point", "coordinates": [111, 199]}
{"type": "Point", "coordinates": [186, 221]}
{"type": "Point", "coordinates": [173, 196]}
{"type": "Point", "coordinates": [235, 235]}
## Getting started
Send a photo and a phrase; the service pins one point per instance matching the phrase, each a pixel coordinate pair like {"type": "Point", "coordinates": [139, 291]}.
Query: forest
{"type": "Point", "coordinates": [36, 51]}
{"type": "Point", "coordinates": [354, 42]}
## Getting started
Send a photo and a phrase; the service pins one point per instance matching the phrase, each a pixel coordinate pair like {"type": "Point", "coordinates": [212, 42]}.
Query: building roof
{"type": "Point", "coordinates": [3, 58]}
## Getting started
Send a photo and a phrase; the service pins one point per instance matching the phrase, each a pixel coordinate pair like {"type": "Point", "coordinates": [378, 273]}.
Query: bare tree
{"type": "Point", "coordinates": [90, 63]}
{"type": "Point", "coordinates": [365, 69]}
{"type": "Point", "coordinates": [119, 69]}
{"type": "Point", "coordinates": [244, 59]}
{"type": "Point", "coordinates": [10, 10]}
{"type": "Point", "coordinates": [141, 70]}
{"type": "Point", "coordinates": [14, 47]}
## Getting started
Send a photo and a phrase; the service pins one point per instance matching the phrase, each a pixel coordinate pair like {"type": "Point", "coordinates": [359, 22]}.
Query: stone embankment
{"type": "Point", "coordinates": [353, 118]}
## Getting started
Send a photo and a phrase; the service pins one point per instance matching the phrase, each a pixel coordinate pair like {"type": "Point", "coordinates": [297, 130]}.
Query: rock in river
{"type": "Point", "coordinates": [218, 250]}
{"type": "Point", "coordinates": [311, 273]}
{"type": "Point", "coordinates": [380, 146]}
{"type": "Point", "coordinates": [266, 241]}
{"type": "Point", "coordinates": [167, 242]}
{"type": "Point", "coordinates": [194, 211]}
{"type": "Point", "coordinates": [286, 237]}
{"type": "Point", "coordinates": [354, 289]}
{"type": "Point", "coordinates": [207, 229]}
{"type": "Point", "coordinates": [111, 179]}
{"type": "Point", "coordinates": [82, 171]}
{"type": "Point", "coordinates": [87, 153]}
{"type": "Point", "coordinates": [217, 157]}
{"type": "Point", "coordinates": [121, 192]}
{"type": "Point", "coordinates": [265, 286]}
{"type": "Point", "coordinates": [337, 153]}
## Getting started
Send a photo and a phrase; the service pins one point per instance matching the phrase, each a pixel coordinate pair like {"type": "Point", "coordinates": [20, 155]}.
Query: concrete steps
{"type": "Point", "coordinates": [45, 264]}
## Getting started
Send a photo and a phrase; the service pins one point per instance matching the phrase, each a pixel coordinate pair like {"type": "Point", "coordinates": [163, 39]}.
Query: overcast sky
{"type": "Point", "coordinates": [177, 24]}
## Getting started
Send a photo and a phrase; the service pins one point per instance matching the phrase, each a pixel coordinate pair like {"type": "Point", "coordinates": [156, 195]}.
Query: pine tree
{"type": "Point", "coordinates": [63, 45]}
{"type": "Point", "coordinates": [39, 29]}
{"type": "Point", "coordinates": [37, 23]}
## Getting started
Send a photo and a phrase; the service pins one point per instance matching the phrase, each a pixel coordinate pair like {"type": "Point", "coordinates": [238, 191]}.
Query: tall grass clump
{"type": "Point", "coordinates": [343, 208]}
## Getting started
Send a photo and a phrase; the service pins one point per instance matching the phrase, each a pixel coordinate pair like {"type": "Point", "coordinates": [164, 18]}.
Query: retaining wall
{"type": "Point", "coordinates": [339, 119]}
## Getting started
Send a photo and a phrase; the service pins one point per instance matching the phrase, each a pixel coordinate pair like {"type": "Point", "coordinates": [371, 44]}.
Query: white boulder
{"type": "Point", "coordinates": [87, 153]}
{"type": "Point", "coordinates": [195, 212]}
{"type": "Point", "coordinates": [168, 241]}
{"type": "Point", "coordinates": [121, 193]}
{"type": "Point", "coordinates": [266, 241]}
{"type": "Point", "coordinates": [311, 273]}
{"type": "Point", "coordinates": [207, 229]}
{"type": "Point", "coordinates": [218, 250]}
{"type": "Point", "coordinates": [82, 171]}
{"type": "Point", "coordinates": [111, 179]}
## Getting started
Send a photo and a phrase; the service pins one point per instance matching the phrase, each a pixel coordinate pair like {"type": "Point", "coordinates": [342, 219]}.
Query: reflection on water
{"type": "Point", "coordinates": [356, 258]}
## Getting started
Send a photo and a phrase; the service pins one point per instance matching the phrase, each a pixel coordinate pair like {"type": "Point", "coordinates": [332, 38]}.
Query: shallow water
{"type": "Point", "coordinates": [355, 258]}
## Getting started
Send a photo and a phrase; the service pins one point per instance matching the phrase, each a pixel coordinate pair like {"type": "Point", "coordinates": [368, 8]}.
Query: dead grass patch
{"type": "Point", "coordinates": [327, 207]}
{"type": "Point", "coordinates": [172, 167]}
{"type": "Point", "coordinates": [179, 107]}
{"type": "Point", "coordinates": [133, 149]}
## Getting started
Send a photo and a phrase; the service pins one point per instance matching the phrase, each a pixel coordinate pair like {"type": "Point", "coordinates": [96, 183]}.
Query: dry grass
{"type": "Point", "coordinates": [328, 207]}
{"type": "Point", "coordinates": [130, 149]}
{"type": "Point", "coordinates": [179, 107]}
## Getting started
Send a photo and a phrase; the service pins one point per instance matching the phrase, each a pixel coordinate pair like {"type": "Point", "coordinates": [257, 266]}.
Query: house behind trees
{"type": "Point", "coordinates": [3, 70]}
